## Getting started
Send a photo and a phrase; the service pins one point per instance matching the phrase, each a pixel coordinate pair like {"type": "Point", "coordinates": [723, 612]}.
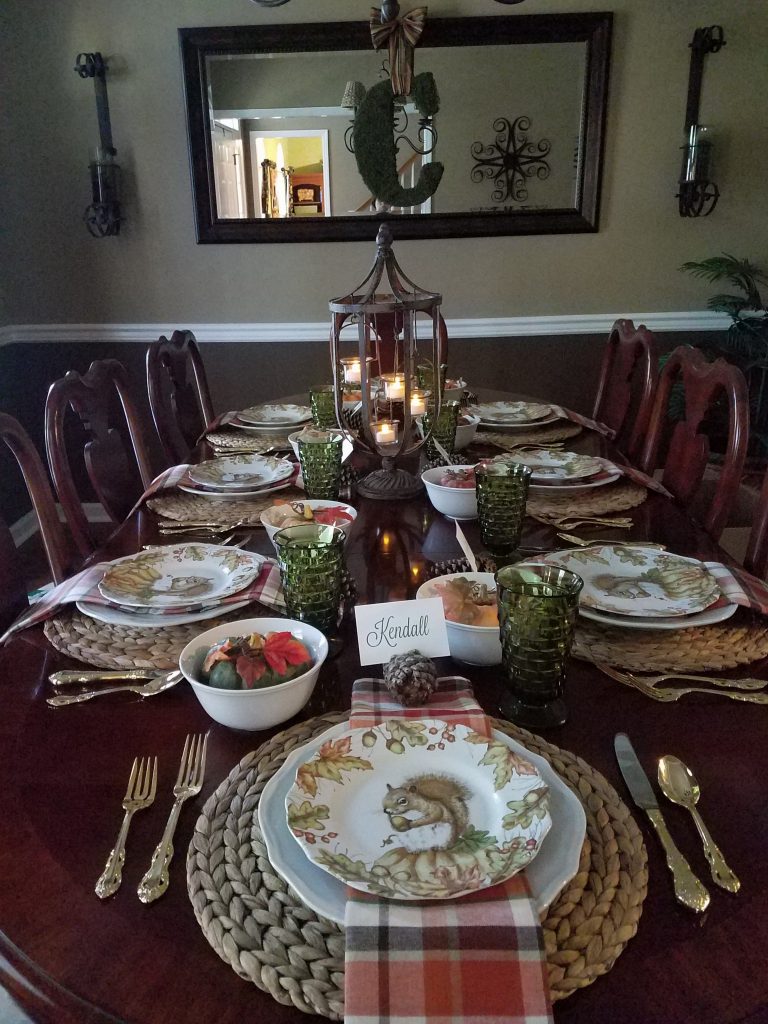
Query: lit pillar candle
{"type": "Point", "coordinates": [418, 403]}
{"type": "Point", "coordinates": [394, 387]}
{"type": "Point", "coordinates": [385, 432]}
{"type": "Point", "coordinates": [351, 370]}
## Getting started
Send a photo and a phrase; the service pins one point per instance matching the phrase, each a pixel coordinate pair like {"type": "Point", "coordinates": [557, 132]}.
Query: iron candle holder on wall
{"type": "Point", "coordinates": [698, 194]}
{"type": "Point", "coordinates": [391, 434]}
{"type": "Point", "coordinates": [103, 216]}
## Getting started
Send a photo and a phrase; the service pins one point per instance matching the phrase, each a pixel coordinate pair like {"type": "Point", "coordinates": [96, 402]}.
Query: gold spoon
{"type": "Point", "coordinates": [679, 785]}
{"type": "Point", "coordinates": [157, 685]}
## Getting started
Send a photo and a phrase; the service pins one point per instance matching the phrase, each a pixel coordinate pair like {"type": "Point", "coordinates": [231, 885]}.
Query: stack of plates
{"type": "Point", "coordinates": [514, 415]}
{"type": "Point", "coordinates": [563, 472]}
{"type": "Point", "coordinates": [238, 476]}
{"type": "Point", "coordinates": [315, 828]}
{"type": "Point", "coordinates": [644, 588]}
{"type": "Point", "coordinates": [173, 585]}
{"type": "Point", "coordinates": [272, 418]}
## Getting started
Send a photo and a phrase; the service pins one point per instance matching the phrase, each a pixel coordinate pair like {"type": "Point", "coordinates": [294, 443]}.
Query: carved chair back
{"type": "Point", "coordinates": [38, 486]}
{"type": "Point", "coordinates": [110, 469]}
{"type": "Point", "coordinates": [628, 378]}
{"type": "Point", "coordinates": [756, 558]}
{"type": "Point", "coordinates": [689, 445]}
{"type": "Point", "coordinates": [178, 393]}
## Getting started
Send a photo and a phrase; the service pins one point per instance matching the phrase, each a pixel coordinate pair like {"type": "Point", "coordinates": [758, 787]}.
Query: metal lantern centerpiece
{"type": "Point", "coordinates": [388, 421]}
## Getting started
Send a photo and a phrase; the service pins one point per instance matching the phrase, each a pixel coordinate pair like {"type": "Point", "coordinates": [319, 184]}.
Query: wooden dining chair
{"type": "Point", "coordinates": [117, 479]}
{"type": "Point", "coordinates": [628, 378]}
{"type": "Point", "coordinates": [756, 558]}
{"type": "Point", "coordinates": [178, 393]}
{"type": "Point", "coordinates": [688, 444]}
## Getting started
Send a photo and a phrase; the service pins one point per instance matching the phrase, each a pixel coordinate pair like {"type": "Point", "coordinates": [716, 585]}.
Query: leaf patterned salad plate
{"type": "Point", "coordinates": [418, 809]}
{"type": "Point", "coordinates": [639, 582]}
{"type": "Point", "coordinates": [514, 414]}
{"type": "Point", "coordinates": [555, 467]}
{"type": "Point", "coordinates": [241, 472]}
{"type": "Point", "coordinates": [275, 414]}
{"type": "Point", "coordinates": [179, 576]}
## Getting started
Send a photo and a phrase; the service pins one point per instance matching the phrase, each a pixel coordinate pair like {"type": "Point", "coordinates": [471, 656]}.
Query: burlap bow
{"type": "Point", "coordinates": [400, 35]}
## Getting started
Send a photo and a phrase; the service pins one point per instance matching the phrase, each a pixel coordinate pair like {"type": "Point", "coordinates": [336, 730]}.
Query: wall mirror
{"type": "Point", "coordinates": [520, 128]}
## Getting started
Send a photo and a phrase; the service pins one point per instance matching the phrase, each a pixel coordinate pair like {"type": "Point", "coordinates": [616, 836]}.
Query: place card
{"type": "Point", "coordinates": [395, 627]}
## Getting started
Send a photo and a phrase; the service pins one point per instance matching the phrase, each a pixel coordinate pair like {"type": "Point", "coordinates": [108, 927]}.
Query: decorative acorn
{"type": "Point", "coordinates": [410, 678]}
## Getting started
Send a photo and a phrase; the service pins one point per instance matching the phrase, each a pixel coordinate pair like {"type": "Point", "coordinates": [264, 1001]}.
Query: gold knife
{"type": "Point", "coordinates": [72, 678]}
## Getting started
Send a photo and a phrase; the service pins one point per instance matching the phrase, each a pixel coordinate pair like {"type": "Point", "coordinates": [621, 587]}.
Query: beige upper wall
{"type": "Point", "coordinates": [52, 271]}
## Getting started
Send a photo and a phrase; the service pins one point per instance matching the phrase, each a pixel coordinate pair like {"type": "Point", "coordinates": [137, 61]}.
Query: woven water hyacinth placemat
{"type": "Point", "coordinates": [600, 501]}
{"type": "Point", "coordinates": [739, 641]}
{"type": "Point", "coordinates": [193, 508]}
{"type": "Point", "coordinates": [259, 926]}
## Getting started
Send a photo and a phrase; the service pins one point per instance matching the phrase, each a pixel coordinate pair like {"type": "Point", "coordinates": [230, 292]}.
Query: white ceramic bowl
{"type": "Point", "coordinates": [253, 709]}
{"type": "Point", "coordinates": [474, 645]}
{"type": "Point", "coordinates": [454, 502]}
{"type": "Point", "coordinates": [313, 503]}
{"type": "Point", "coordinates": [465, 432]}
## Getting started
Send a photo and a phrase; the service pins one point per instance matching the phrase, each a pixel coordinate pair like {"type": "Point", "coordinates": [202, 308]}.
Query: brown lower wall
{"type": "Point", "coordinates": [562, 369]}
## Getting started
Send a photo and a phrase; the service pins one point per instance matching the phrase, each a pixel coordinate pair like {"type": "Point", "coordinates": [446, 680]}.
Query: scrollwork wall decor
{"type": "Point", "coordinates": [511, 159]}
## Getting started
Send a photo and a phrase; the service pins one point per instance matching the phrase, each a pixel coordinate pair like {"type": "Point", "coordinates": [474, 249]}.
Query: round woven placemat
{"type": "Point", "coordinates": [598, 502]}
{"type": "Point", "coordinates": [740, 640]}
{"type": "Point", "coordinates": [192, 508]}
{"type": "Point", "coordinates": [239, 440]}
{"type": "Point", "coordinates": [107, 646]}
{"type": "Point", "coordinates": [258, 925]}
{"type": "Point", "coordinates": [555, 432]}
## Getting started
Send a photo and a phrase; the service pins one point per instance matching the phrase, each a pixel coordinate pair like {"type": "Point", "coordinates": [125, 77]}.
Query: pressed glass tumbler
{"type": "Point", "coordinates": [443, 429]}
{"type": "Point", "coordinates": [537, 611]}
{"type": "Point", "coordinates": [502, 490]}
{"type": "Point", "coordinates": [311, 569]}
{"type": "Point", "coordinates": [321, 466]}
{"type": "Point", "coordinates": [322, 401]}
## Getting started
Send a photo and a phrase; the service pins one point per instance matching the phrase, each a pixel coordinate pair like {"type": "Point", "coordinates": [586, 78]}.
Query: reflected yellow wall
{"type": "Point", "coordinates": [53, 271]}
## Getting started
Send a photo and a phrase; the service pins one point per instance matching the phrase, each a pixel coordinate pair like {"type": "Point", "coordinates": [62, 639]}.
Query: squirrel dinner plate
{"type": "Point", "coordinates": [418, 809]}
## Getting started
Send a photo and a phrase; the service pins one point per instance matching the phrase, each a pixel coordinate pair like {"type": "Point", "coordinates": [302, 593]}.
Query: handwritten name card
{"type": "Point", "coordinates": [399, 626]}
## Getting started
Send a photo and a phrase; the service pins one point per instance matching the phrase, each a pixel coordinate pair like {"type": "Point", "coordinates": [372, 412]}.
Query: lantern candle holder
{"type": "Point", "coordinates": [388, 421]}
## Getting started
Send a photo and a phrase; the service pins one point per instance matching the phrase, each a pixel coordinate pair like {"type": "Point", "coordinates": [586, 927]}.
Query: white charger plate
{"type": "Point", "coordinates": [234, 495]}
{"type": "Point", "coordinates": [718, 612]}
{"type": "Point", "coordinates": [117, 616]}
{"type": "Point", "coordinates": [555, 865]}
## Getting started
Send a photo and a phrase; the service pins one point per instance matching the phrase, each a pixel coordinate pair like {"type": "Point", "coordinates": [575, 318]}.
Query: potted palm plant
{"type": "Point", "coordinates": [746, 342]}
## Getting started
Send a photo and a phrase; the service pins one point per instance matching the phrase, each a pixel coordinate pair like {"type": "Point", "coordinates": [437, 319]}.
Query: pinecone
{"type": "Point", "coordinates": [410, 678]}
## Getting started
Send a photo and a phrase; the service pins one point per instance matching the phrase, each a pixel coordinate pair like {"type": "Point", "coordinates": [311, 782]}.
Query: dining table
{"type": "Point", "coordinates": [66, 956]}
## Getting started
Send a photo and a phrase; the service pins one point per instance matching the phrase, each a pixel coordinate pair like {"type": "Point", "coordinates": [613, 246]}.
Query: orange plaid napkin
{"type": "Point", "coordinates": [476, 959]}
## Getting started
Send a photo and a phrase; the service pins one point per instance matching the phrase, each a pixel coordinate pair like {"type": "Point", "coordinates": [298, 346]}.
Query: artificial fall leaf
{"type": "Point", "coordinates": [282, 650]}
{"type": "Point", "coordinates": [250, 670]}
{"type": "Point", "coordinates": [505, 763]}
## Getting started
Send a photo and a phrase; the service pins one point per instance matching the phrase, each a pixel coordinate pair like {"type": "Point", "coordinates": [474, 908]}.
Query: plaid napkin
{"type": "Point", "coordinates": [476, 959]}
{"type": "Point", "coordinates": [583, 421]}
{"type": "Point", "coordinates": [740, 587]}
{"type": "Point", "coordinates": [84, 586]}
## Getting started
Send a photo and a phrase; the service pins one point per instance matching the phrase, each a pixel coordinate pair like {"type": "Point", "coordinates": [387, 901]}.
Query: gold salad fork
{"type": "Point", "coordinates": [670, 694]}
{"type": "Point", "coordinates": [142, 786]}
{"type": "Point", "coordinates": [188, 783]}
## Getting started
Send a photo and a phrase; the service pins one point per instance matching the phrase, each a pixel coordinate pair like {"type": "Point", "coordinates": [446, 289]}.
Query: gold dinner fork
{"type": "Point", "coordinates": [142, 786]}
{"type": "Point", "coordinates": [188, 783]}
{"type": "Point", "coordinates": [670, 694]}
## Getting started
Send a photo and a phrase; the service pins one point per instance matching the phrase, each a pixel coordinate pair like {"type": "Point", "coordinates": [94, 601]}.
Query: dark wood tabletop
{"type": "Point", "coordinates": [66, 956]}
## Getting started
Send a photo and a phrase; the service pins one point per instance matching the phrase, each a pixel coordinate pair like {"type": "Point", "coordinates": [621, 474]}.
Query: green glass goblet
{"type": "Point", "coordinates": [502, 490]}
{"type": "Point", "coordinates": [311, 568]}
{"type": "Point", "coordinates": [537, 611]}
{"type": "Point", "coordinates": [425, 376]}
{"type": "Point", "coordinates": [322, 401]}
{"type": "Point", "coordinates": [321, 466]}
{"type": "Point", "coordinates": [443, 430]}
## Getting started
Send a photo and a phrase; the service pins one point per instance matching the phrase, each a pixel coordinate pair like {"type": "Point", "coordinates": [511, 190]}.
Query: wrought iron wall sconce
{"type": "Point", "coordinates": [103, 216]}
{"type": "Point", "coordinates": [698, 194]}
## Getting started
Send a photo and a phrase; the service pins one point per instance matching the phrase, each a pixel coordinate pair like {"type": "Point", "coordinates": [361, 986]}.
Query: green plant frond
{"type": "Point", "coordinates": [741, 273]}
{"type": "Point", "coordinates": [731, 304]}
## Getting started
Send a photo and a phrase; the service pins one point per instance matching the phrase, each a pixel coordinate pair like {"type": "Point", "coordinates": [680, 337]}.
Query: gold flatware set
{"type": "Point", "coordinates": [724, 687]}
{"type": "Point", "coordinates": [140, 794]}
{"type": "Point", "coordinates": [679, 785]}
{"type": "Point", "coordinates": [147, 688]}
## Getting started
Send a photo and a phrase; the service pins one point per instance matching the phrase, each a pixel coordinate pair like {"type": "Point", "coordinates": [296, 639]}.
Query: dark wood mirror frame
{"type": "Point", "coordinates": [594, 29]}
